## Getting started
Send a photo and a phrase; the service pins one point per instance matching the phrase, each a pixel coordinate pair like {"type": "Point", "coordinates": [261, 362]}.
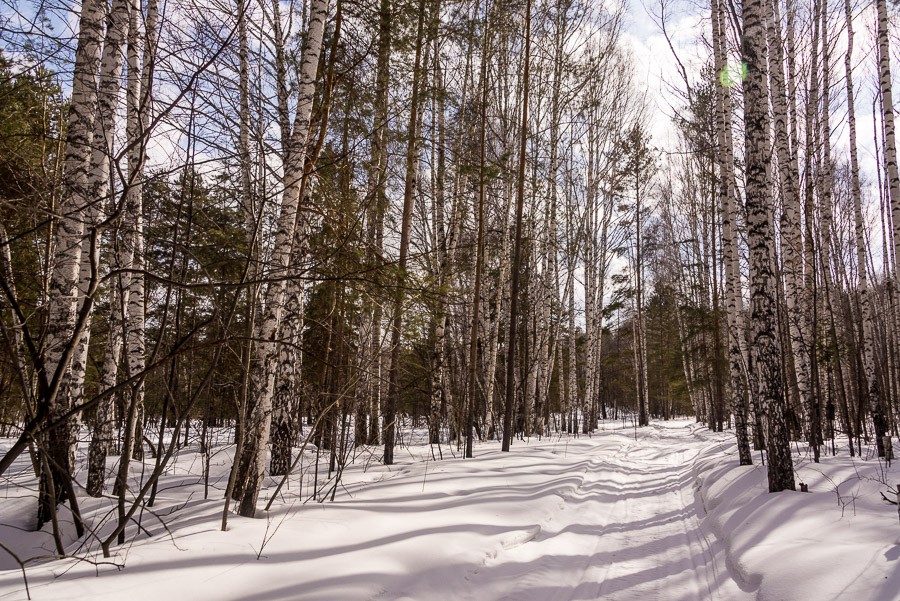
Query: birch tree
{"type": "Point", "coordinates": [253, 452]}
{"type": "Point", "coordinates": [765, 353]}
{"type": "Point", "coordinates": [65, 326]}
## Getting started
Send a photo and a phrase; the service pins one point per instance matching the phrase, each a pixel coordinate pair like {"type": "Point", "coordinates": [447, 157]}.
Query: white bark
{"type": "Point", "coordinates": [868, 324]}
{"type": "Point", "coordinates": [260, 420]}
{"type": "Point", "coordinates": [99, 179]}
{"type": "Point", "coordinates": [139, 107]}
{"type": "Point", "coordinates": [62, 336]}
{"type": "Point", "coordinates": [766, 360]}
{"type": "Point", "coordinates": [739, 383]}
{"type": "Point", "coordinates": [892, 175]}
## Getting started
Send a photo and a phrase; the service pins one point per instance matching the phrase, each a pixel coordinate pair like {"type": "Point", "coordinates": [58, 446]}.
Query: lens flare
{"type": "Point", "coordinates": [732, 74]}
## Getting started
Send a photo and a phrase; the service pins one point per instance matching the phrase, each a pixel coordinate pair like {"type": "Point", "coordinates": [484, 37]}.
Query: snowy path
{"type": "Point", "coordinates": [629, 530]}
{"type": "Point", "coordinates": [605, 517]}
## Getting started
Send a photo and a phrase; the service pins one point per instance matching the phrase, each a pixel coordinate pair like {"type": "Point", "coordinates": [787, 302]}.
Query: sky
{"type": "Point", "coordinates": [655, 64]}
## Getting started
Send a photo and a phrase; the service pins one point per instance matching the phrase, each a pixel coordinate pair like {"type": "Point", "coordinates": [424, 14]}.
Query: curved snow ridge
{"type": "Point", "coordinates": [747, 580]}
{"type": "Point", "coordinates": [520, 538]}
{"type": "Point", "coordinates": [512, 540]}
{"type": "Point", "coordinates": [837, 542]}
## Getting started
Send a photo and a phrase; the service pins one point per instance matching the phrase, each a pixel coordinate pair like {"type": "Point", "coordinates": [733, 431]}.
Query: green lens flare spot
{"type": "Point", "coordinates": [732, 74]}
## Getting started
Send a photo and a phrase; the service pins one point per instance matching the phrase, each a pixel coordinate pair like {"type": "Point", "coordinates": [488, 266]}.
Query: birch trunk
{"type": "Point", "coordinates": [62, 336]}
{"type": "Point", "coordinates": [873, 390]}
{"type": "Point", "coordinates": [766, 360]}
{"type": "Point", "coordinates": [733, 295]}
{"type": "Point", "coordinates": [247, 201]}
{"type": "Point", "coordinates": [590, 267]}
{"type": "Point", "coordinates": [811, 406]}
{"type": "Point", "coordinates": [640, 354]}
{"type": "Point", "coordinates": [286, 399]}
{"type": "Point", "coordinates": [601, 291]}
{"type": "Point", "coordinates": [792, 251]}
{"type": "Point", "coordinates": [99, 179]}
{"type": "Point", "coordinates": [892, 176]}
{"type": "Point", "coordinates": [573, 371]}
{"type": "Point", "coordinates": [139, 96]}
{"type": "Point", "coordinates": [825, 226]}
{"type": "Point", "coordinates": [103, 435]}
{"type": "Point", "coordinates": [256, 440]}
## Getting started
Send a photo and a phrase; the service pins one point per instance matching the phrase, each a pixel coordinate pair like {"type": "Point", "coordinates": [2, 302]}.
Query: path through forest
{"type": "Point", "coordinates": [628, 529]}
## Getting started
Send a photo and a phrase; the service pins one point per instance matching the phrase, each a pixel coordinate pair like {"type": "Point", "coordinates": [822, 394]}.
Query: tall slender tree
{"type": "Point", "coordinates": [765, 351]}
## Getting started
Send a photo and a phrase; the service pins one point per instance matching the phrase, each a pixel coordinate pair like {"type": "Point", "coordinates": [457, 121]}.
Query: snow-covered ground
{"type": "Point", "coordinates": [663, 513]}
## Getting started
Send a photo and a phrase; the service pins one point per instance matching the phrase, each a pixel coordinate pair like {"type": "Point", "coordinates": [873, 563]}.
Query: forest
{"type": "Point", "coordinates": [278, 242]}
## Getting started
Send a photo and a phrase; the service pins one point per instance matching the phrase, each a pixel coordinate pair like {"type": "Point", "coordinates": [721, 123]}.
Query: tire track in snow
{"type": "Point", "coordinates": [528, 568]}
{"type": "Point", "coordinates": [630, 532]}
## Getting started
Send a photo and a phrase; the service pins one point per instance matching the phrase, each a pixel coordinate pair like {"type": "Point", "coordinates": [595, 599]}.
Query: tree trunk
{"type": "Point", "coordinates": [390, 410]}
{"type": "Point", "coordinates": [766, 359]}
{"type": "Point", "coordinates": [104, 128]}
{"type": "Point", "coordinates": [873, 391]}
{"type": "Point", "coordinates": [733, 295]}
{"type": "Point", "coordinates": [517, 252]}
{"type": "Point", "coordinates": [893, 178]}
{"type": "Point", "coordinates": [253, 454]}
{"type": "Point", "coordinates": [62, 335]}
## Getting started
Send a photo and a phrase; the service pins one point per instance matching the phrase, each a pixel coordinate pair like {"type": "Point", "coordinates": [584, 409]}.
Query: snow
{"type": "Point", "coordinates": [663, 512]}
{"type": "Point", "coordinates": [840, 541]}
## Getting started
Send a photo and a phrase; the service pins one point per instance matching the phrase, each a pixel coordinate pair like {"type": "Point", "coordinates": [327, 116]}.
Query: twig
{"type": "Point", "coordinates": [21, 567]}
{"type": "Point", "coordinates": [23, 562]}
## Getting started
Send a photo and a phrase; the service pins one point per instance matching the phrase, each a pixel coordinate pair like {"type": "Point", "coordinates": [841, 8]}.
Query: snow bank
{"type": "Point", "coordinates": [839, 541]}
